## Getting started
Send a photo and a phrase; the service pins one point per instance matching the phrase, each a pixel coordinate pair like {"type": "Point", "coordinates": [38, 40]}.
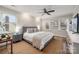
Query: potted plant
{"type": "Point", "coordinates": [5, 37]}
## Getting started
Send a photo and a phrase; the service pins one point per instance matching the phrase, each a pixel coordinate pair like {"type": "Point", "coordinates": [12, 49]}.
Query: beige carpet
{"type": "Point", "coordinates": [54, 47]}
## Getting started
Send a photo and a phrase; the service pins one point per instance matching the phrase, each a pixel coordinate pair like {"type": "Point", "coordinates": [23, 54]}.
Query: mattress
{"type": "Point", "coordinates": [38, 39]}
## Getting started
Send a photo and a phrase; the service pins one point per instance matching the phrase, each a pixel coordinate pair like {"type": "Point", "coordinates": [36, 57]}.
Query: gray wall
{"type": "Point", "coordinates": [26, 20]}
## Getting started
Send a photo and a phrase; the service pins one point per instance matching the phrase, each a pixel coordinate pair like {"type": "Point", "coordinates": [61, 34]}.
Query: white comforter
{"type": "Point", "coordinates": [29, 36]}
{"type": "Point", "coordinates": [38, 39]}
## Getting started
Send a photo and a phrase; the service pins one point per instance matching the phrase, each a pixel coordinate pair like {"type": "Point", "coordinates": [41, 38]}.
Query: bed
{"type": "Point", "coordinates": [38, 39]}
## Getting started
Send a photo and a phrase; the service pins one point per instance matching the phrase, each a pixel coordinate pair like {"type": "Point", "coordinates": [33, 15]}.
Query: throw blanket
{"type": "Point", "coordinates": [41, 39]}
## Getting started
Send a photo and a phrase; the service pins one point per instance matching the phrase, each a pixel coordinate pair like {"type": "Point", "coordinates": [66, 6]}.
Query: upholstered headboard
{"type": "Point", "coordinates": [30, 29]}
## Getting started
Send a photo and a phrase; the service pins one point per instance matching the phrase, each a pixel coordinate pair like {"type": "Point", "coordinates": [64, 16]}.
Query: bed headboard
{"type": "Point", "coordinates": [30, 29]}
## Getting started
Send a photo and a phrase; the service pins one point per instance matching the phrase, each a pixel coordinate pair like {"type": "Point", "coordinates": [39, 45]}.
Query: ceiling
{"type": "Point", "coordinates": [35, 9]}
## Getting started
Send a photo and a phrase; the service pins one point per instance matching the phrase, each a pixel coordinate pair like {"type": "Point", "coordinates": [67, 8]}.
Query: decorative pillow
{"type": "Point", "coordinates": [29, 30]}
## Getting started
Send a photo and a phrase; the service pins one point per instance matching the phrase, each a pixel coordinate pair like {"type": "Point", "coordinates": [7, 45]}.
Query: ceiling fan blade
{"type": "Point", "coordinates": [45, 10]}
{"type": "Point", "coordinates": [51, 11]}
{"type": "Point", "coordinates": [48, 13]}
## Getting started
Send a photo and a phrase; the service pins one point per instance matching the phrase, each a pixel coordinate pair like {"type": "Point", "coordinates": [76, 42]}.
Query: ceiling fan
{"type": "Point", "coordinates": [45, 11]}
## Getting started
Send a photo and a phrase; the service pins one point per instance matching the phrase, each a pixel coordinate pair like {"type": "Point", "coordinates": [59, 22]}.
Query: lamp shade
{"type": "Point", "coordinates": [18, 29]}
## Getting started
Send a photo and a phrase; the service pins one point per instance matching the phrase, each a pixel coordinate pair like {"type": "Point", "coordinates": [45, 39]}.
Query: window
{"type": "Point", "coordinates": [7, 22]}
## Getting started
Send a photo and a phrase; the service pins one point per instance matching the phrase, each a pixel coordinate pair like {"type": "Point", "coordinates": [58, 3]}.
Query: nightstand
{"type": "Point", "coordinates": [17, 37]}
